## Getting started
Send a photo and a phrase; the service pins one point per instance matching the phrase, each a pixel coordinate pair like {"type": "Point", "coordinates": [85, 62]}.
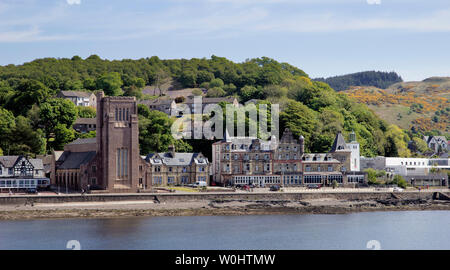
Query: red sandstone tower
{"type": "Point", "coordinates": [117, 143]}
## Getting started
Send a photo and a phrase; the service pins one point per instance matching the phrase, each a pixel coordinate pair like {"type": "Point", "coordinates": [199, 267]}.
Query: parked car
{"type": "Point", "coordinates": [313, 186]}
{"type": "Point", "coordinates": [199, 184]}
{"type": "Point", "coordinates": [31, 191]}
{"type": "Point", "coordinates": [398, 189]}
{"type": "Point", "coordinates": [274, 188]}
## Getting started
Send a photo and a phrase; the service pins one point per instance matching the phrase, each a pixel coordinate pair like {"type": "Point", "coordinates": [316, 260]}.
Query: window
{"type": "Point", "coordinates": [170, 180]}
{"type": "Point", "coordinates": [157, 180]}
{"type": "Point", "coordinates": [94, 168]}
{"type": "Point", "coordinates": [308, 168]}
{"type": "Point", "coordinates": [122, 163]}
{"type": "Point", "coordinates": [330, 168]}
{"type": "Point", "coordinates": [170, 169]}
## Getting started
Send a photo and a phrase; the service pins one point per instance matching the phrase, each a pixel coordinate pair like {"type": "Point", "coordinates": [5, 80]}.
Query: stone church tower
{"type": "Point", "coordinates": [118, 143]}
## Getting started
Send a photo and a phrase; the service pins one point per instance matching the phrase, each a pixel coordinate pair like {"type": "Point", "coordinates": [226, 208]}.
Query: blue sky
{"type": "Point", "coordinates": [322, 37]}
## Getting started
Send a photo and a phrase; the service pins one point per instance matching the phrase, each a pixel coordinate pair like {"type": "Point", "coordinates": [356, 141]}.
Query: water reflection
{"type": "Point", "coordinates": [394, 230]}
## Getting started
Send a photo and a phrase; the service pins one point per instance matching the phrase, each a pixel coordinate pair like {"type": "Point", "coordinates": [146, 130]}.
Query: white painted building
{"type": "Point", "coordinates": [414, 166]}
{"type": "Point", "coordinates": [353, 145]}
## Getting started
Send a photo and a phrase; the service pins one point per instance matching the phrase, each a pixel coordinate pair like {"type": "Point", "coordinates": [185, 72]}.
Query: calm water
{"type": "Point", "coordinates": [394, 230]}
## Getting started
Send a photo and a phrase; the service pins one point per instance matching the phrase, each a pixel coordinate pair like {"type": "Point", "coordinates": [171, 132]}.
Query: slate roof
{"type": "Point", "coordinates": [84, 141]}
{"type": "Point", "coordinates": [8, 161]}
{"type": "Point", "coordinates": [339, 144]}
{"type": "Point", "coordinates": [312, 158]}
{"type": "Point", "coordinates": [73, 160]}
{"type": "Point", "coordinates": [156, 102]}
{"type": "Point", "coordinates": [86, 121]}
{"type": "Point", "coordinates": [37, 163]}
{"type": "Point", "coordinates": [76, 94]}
{"type": "Point", "coordinates": [179, 159]}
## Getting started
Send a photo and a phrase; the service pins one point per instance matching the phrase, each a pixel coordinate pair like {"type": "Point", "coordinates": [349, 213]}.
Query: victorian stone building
{"type": "Point", "coordinates": [172, 168]}
{"type": "Point", "coordinates": [111, 161]}
{"type": "Point", "coordinates": [239, 160]}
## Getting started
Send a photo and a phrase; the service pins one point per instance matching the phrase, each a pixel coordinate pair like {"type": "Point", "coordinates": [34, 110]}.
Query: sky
{"type": "Point", "coordinates": [322, 37]}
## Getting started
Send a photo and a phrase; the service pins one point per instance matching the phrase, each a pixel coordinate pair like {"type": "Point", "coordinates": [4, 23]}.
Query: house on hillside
{"type": "Point", "coordinates": [163, 105]}
{"type": "Point", "coordinates": [85, 125]}
{"type": "Point", "coordinates": [437, 143]}
{"type": "Point", "coordinates": [79, 98]}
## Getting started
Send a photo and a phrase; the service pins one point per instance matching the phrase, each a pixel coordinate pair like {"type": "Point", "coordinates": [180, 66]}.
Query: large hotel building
{"type": "Point", "coordinates": [244, 160]}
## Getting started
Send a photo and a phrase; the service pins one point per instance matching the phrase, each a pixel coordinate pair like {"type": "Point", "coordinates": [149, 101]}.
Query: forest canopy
{"type": "Point", "coordinates": [309, 108]}
{"type": "Point", "coordinates": [367, 78]}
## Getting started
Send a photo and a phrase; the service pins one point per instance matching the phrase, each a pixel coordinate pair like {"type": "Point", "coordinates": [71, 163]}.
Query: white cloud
{"type": "Point", "coordinates": [73, 2]}
{"type": "Point", "coordinates": [374, 2]}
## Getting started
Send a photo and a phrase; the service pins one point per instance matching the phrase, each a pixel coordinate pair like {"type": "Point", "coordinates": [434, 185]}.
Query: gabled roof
{"type": "Point", "coordinates": [8, 161]}
{"type": "Point", "coordinates": [339, 144]}
{"type": "Point", "coordinates": [11, 161]}
{"type": "Point", "coordinates": [37, 163]}
{"type": "Point", "coordinates": [178, 159]}
{"type": "Point", "coordinates": [73, 160]}
{"type": "Point", "coordinates": [76, 94]}
{"type": "Point", "coordinates": [84, 141]}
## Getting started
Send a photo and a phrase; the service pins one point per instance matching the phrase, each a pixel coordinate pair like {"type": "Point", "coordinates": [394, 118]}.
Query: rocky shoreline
{"type": "Point", "coordinates": [214, 208]}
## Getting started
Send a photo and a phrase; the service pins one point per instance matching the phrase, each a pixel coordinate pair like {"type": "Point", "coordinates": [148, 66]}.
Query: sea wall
{"type": "Point", "coordinates": [174, 197]}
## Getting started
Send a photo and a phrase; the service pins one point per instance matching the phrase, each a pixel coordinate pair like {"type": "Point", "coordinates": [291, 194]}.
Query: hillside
{"type": "Point", "coordinates": [417, 106]}
{"type": "Point", "coordinates": [33, 121]}
{"type": "Point", "coordinates": [367, 78]}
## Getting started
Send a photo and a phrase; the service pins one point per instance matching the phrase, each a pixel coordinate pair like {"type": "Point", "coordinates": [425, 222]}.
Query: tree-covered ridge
{"type": "Point", "coordinates": [367, 78]}
{"type": "Point", "coordinates": [309, 108]}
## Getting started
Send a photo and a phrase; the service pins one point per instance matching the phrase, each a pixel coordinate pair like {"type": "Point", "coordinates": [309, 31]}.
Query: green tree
{"type": "Point", "coordinates": [26, 140]}
{"type": "Point", "coordinates": [111, 84]}
{"type": "Point", "coordinates": [62, 136]}
{"type": "Point", "coordinates": [371, 175]}
{"type": "Point", "coordinates": [249, 92]}
{"type": "Point", "coordinates": [399, 181]}
{"type": "Point", "coordinates": [86, 112]}
{"type": "Point", "coordinates": [216, 83]}
{"type": "Point", "coordinates": [133, 91]}
{"type": "Point", "coordinates": [197, 92]}
{"type": "Point", "coordinates": [7, 126]}
{"type": "Point", "coordinates": [155, 132]}
{"type": "Point", "coordinates": [57, 117]}
{"type": "Point", "coordinates": [300, 119]}
{"type": "Point", "coordinates": [215, 92]}
{"type": "Point", "coordinates": [28, 93]}
{"type": "Point", "coordinates": [419, 145]}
